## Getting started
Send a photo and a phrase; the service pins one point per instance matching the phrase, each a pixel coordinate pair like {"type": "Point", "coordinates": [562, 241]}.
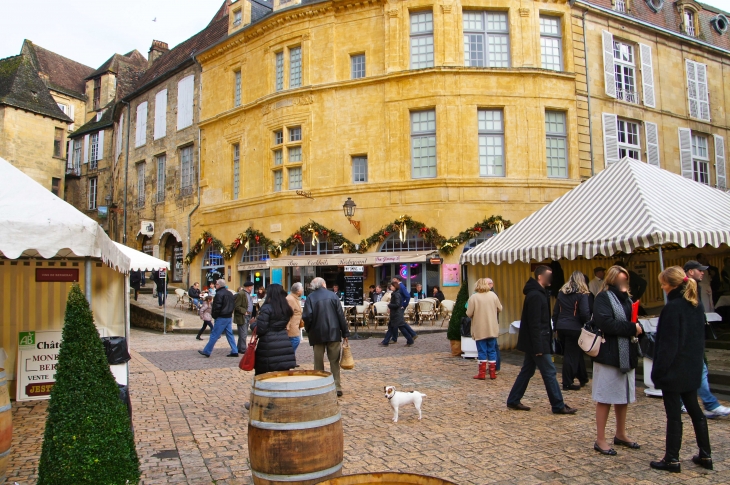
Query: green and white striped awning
{"type": "Point", "coordinates": [629, 205]}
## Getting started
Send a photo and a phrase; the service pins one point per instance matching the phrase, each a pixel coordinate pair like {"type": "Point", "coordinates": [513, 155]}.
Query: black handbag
{"type": "Point", "coordinates": [466, 327]}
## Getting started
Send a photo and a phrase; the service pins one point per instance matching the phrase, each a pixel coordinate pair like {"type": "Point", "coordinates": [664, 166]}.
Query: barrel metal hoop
{"type": "Point", "coordinates": [302, 477]}
{"type": "Point", "coordinates": [5, 453]}
{"type": "Point", "coordinates": [311, 392]}
{"type": "Point", "coordinates": [296, 426]}
{"type": "Point", "coordinates": [7, 407]}
{"type": "Point", "coordinates": [293, 386]}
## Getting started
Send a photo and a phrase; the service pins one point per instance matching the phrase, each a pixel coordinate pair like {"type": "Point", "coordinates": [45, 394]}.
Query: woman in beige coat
{"type": "Point", "coordinates": [292, 329]}
{"type": "Point", "coordinates": [483, 308]}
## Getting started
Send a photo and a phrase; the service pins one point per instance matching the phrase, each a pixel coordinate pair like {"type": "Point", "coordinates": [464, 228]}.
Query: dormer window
{"type": "Point", "coordinates": [97, 93]}
{"type": "Point", "coordinates": [655, 5]}
{"type": "Point", "coordinates": [689, 22]}
{"type": "Point", "coordinates": [237, 18]}
{"type": "Point", "coordinates": [620, 5]}
{"type": "Point", "coordinates": [720, 23]}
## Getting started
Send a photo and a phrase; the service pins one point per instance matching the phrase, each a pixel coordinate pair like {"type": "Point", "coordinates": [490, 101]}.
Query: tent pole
{"type": "Point", "coordinates": [126, 316]}
{"type": "Point", "coordinates": [661, 266]}
{"type": "Point", "coordinates": [164, 303]}
{"type": "Point", "coordinates": [87, 279]}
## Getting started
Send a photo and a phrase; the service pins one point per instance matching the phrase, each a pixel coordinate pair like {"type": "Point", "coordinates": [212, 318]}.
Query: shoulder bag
{"type": "Point", "coordinates": [590, 340]}
{"type": "Point", "coordinates": [249, 358]}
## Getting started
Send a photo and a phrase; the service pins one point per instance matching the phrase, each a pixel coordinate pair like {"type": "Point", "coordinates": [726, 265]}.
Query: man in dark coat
{"type": "Point", "coordinates": [135, 281]}
{"type": "Point", "coordinates": [242, 314]}
{"type": "Point", "coordinates": [224, 303]}
{"type": "Point", "coordinates": [535, 340]}
{"type": "Point", "coordinates": [325, 324]}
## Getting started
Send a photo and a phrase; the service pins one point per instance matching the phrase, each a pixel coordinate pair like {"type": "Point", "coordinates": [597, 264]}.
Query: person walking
{"type": "Point", "coordinates": [294, 300]}
{"type": "Point", "coordinates": [483, 308]}
{"type": "Point", "coordinates": [677, 370]}
{"type": "Point", "coordinates": [241, 317]}
{"type": "Point", "coordinates": [204, 311]}
{"type": "Point", "coordinates": [161, 284]}
{"type": "Point", "coordinates": [400, 286]}
{"type": "Point", "coordinates": [613, 367]}
{"type": "Point", "coordinates": [397, 320]}
{"type": "Point", "coordinates": [324, 321]}
{"type": "Point", "coordinates": [596, 284]}
{"type": "Point", "coordinates": [274, 351]}
{"type": "Point", "coordinates": [698, 272]}
{"type": "Point", "coordinates": [135, 281]}
{"type": "Point", "coordinates": [194, 294]}
{"type": "Point", "coordinates": [224, 303]}
{"type": "Point", "coordinates": [571, 311]}
{"type": "Point", "coordinates": [534, 339]}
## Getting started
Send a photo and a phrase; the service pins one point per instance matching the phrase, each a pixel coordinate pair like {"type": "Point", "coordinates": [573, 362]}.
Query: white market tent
{"type": "Point", "coordinates": [627, 206]}
{"type": "Point", "coordinates": [41, 231]}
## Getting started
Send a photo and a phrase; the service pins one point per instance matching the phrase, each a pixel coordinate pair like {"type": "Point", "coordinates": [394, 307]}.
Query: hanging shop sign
{"type": "Point", "coordinates": [64, 275]}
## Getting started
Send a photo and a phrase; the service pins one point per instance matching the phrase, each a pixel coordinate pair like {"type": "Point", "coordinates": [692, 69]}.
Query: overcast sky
{"type": "Point", "coordinates": [90, 31]}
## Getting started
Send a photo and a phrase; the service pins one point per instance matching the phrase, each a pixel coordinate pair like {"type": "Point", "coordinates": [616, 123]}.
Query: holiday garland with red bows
{"type": "Point", "coordinates": [250, 237]}
{"type": "Point", "coordinates": [315, 232]}
{"type": "Point", "coordinates": [207, 239]}
{"type": "Point", "coordinates": [402, 226]}
{"type": "Point", "coordinates": [492, 226]}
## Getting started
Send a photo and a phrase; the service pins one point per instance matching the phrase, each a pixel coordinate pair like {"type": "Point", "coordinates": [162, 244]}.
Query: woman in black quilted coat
{"type": "Point", "coordinates": [274, 351]}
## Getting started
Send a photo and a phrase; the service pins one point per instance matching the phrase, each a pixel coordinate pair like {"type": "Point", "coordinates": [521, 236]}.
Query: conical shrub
{"type": "Point", "coordinates": [454, 331]}
{"type": "Point", "coordinates": [88, 438]}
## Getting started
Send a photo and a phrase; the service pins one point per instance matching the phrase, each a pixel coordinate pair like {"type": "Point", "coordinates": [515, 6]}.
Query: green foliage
{"type": "Point", "coordinates": [88, 438]}
{"type": "Point", "coordinates": [454, 331]}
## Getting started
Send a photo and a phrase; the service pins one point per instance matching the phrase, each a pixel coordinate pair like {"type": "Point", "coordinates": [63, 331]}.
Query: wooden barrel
{"type": "Point", "coordinates": [6, 426]}
{"type": "Point", "coordinates": [386, 479]}
{"type": "Point", "coordinates": [294, 428]}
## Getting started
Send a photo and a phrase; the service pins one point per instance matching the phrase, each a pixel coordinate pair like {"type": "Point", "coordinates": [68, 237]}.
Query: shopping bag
{"type": "Point", "coordinates": [249, 358]}
{"type": "Point", "coordinates": [347, 362]}
{"type": "Point", "coordinates": [635, 311]}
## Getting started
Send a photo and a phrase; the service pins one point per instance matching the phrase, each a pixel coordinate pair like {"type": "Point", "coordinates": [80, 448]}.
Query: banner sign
{"type": "Point", "coordinates": [64, 275]}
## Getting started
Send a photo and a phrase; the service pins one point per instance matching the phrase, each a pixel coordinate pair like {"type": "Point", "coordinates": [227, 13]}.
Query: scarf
{"type": "Point", "coordinates": [623, 342]}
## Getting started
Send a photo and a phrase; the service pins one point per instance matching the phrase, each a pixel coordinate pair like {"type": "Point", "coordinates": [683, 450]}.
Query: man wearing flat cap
{"type": "Point", "coordinates": [596, 284]}
{"type": "Point", "coordinates": [697, 272]}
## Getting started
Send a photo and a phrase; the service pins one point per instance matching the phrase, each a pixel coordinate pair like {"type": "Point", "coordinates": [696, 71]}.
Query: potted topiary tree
{"type": "Point", "coordinates": [454, 331]}
{"type": "Point", "coordinates": [88, 437]}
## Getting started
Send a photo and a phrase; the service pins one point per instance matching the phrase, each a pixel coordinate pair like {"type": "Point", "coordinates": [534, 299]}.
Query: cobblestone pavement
{"type": "Point", "coordinates": [191, 408]}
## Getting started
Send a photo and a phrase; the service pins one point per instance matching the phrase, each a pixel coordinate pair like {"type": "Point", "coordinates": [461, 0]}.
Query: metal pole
{"type": "Point", "coordinates": [126, 317]}
{"type": "Point", "coordinates": [87, 279]}
{"type": "Point", "coordinates": [661, 266]}
{"type": "Point", "coordinates": [164, 304]}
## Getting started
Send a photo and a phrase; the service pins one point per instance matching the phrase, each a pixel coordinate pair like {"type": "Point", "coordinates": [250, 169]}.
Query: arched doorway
{"type": "Point", "coordinates": [333, 275]}
{"type": "Point", "coordinates": [253, 266]}
{"type": "Point", "coordinates": [173, 254]}
{"type": "Point", "coordinates": [411, 273]}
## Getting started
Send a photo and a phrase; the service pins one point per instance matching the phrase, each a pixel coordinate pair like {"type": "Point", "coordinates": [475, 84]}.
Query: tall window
{"type": "Point", "coordinates": [486, 39]}
{"type": "Point", "coordinates": [77, 156]}
{"type": "Point", "coordinates": [278, 180]}
{"type": "Point", "coordinates": [97, 93]}
{"type": "Point", "coordinates": [55, 186]}
{"type": "Point", "coordinates": [140, 184]}
{"type": "Point", "coordinates": [556, 144]}
{"type": "Point", "coordinates": [237, 89]}
{"type": "Point", "coordinates": [161, 162]}
{"type": "Point", "coordinates": [623, 59]}
{"type": "Point", "coordinates": [689, 22]}
{"type": "Point", "coordinates": [186, 170]}
{"type": "Point", "coordinates": [421, 40]}
{"type": "Point", "coordinates": [295, 178]}
{"type": "Point", "coordinates": [92, 192]}
{"type": "Point", "coordinates": [279, 71]}
{"type": "Point", "coordinates": [236, 170]}
{"type": "Point", "coordinates": [491, 142]}
{"type": "Point", "coordinates": [57, 142]}
{"type": "Point", "coordinates": [423, 144]}
{"type": "Point", "coordinates": [295, 67]}
{"type": "Point", "coordinates": [357, 63]}
{"type": "Point", "coordinates": [360, 169]}
{"type": "Point", "coordinates": [620, 6]}
{"type": "Point", "coordinates": [551, 43]}
{"type": "Point", "coordinates": [629, 144]}
{"type": "Point", "coordinates": [700, 159]}
{"type": "Point", "coordinates": [94, 150]}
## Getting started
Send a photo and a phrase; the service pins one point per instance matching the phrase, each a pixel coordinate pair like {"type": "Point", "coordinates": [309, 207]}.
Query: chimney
{"type": "Point", "coordinates": [156, 50]}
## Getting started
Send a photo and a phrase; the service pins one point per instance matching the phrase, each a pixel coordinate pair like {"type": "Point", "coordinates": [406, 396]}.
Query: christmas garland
{"type": "Point", "coordinates": [247, 237]}
{"type": "Point", "coordinates": [402, 225]}
{"type": "Point", "coordinates": [494, 223]}
{"type": "Point", "coordinates": [317, 231]}
{"type": "Point", "coordinates": [207, 239]}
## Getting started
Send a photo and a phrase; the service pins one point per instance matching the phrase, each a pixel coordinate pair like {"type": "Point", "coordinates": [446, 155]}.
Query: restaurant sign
{"type": "Point", "coordinates": [342, 260]}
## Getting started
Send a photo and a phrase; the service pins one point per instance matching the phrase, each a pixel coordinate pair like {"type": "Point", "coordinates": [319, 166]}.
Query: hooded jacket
{"type": "Point", "coordinates": [274, 351]}
{"type": "Point", "coordinates": [535, 328]}
{"type": "Point", "coordinates": [324, 319]}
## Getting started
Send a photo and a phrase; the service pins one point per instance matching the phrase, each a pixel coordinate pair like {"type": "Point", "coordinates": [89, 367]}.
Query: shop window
{"type": "Point", "coordinates": [472, 243]}
{"type": "Point", "coordinates": [255, 254]}
{"type": "Point", "coordinates": [412, 242]}
{"type": "Point", "coordinates": [322, 246]}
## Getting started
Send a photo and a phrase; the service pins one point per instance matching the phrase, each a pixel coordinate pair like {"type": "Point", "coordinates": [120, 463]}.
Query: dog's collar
{"type": "Point", "coordinates": [391, 397]}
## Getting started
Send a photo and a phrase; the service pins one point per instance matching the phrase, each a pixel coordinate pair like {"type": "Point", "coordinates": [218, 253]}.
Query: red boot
{"type": "Point", "coordinates": [492, 370]}
{"type": "Point", "coordinates": [482, 371]}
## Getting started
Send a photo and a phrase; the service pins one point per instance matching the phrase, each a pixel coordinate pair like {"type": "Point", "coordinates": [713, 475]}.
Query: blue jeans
{"type": "Point", "coordinates": [407, 331]}
{"type": "Point", "coordinates": [547, 370]}
{"type": "Point", "coordinates": [499, 357]}
{"type": "Point", "coordinates": [392, 333]}
{"type": "Point", "coordinates": [294, 343]}
{"type": "Point", "coordinates": [487, 349]}
{"type": "Point", "coordinates": [161, 297]}
{"type": "Point", "coordinates": [708, 400]}
{"type": "Point", "coordinates": [196, 302]}
{"type": "Point", "coordinates": [221, 325]}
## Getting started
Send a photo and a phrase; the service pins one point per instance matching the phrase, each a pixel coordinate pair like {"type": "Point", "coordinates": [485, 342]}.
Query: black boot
{"type": "Point", "coordinates": [670, 462]}
{"type": "Point", "coordinates": [703, 459]}
{"type": "Point", "coordinates": [667, 465]}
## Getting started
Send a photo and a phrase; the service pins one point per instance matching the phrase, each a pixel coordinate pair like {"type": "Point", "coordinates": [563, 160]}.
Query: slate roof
{"type": "Point", "coordinates": [117, 61]}
{"type": "Point", "coordinates": [260, 9]}
{"type": "Point", "coordinates": [22, 87]}
{"type": "Point", "coordinates": [62, 74]}
{"type": "Point", "coordinates": [92, 125]}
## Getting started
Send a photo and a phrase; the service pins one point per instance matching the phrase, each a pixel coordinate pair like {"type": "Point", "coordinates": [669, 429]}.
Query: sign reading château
{"type": "Point", "coordinates": [37, 361]}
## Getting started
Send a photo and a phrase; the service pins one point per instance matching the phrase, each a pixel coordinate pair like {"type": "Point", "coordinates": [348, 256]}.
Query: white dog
{"type": "Point", "coordinates": [398, 399]}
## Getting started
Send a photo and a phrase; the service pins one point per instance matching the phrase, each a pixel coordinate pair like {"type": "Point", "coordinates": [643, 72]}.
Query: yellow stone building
{"type": "Point", "coordinates": [446, 112]}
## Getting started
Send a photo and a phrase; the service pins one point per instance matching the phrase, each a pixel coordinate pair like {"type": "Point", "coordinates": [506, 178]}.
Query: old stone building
{"type": "Point", "coordinates": [159, 160]}
{"type": "Point", "coordinates": [42, 98]}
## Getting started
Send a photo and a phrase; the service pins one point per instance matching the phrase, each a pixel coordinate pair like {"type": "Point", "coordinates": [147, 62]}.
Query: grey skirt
{"type": "Point", "coordinates": [611, 386]}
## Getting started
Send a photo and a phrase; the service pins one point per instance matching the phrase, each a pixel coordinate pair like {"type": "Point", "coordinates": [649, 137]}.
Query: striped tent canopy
{"type": "Point", "coordinates": [628, 206]}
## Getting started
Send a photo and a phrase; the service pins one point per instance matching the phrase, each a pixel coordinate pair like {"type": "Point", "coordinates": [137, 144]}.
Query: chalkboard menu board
{"type": "Point", "coordinates": [353, 290]}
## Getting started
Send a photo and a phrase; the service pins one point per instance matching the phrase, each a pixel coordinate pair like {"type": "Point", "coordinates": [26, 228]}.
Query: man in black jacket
{"type": "Point", "coordinates": [324, 322]}
{"type": "Point", "coordinates": [223, 306]}
{"type": "Point", "coordinates": [534, 340]}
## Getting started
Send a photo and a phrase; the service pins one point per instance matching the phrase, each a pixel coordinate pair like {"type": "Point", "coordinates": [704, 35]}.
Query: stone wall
{"type": "Point", "coordinates": [141, 317]}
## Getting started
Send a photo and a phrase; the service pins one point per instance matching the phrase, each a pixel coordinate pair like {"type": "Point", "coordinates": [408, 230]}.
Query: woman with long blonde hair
{"type": "Point", "coordinates": [483, 308]}
{"type": "Point", "coordinates": [678, 362]}
{"type": "Point", "coordinates": [613, 367]}
{"type": "Point", "coordinates": [570, 312]}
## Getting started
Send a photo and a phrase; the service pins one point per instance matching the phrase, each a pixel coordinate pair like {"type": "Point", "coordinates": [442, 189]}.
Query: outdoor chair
{"type": "Point", "coordinates": [426, 311]}
{"type": "Point", "coordinates": [180, 298]}
{"type": "Point", "coordinates": [361, 314]}
{"type": "Point", "coordinates": [380, 312]}
{"type": "Point", "coordinates": [410, 312]}
{"type": "Point", "coordinates": [447, 308]}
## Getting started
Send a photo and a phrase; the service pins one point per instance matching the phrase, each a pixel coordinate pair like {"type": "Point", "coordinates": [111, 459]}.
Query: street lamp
{"type": "Point", "coordinates": [349, 208]}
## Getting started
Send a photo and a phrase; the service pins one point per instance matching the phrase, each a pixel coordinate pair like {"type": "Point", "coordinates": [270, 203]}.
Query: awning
{"type": "Point", "coordinates": [627, 206]}
{"type": "Point", "coordinates": [141, 261]}
{"type": "Point", "coordinates": [367, 259]}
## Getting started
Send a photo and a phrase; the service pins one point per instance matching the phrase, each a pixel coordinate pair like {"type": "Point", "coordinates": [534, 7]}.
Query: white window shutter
{"type": "Point", "coordinates": [185, 102]}
{"type": "Point", "coordinates": [694, 109]}
{"type": "Point", "coordinates": [100, 150]}
{"type": "Point", "coordinates": [120, 136]}
{"type": "Point", "coordinates": [652, 143]}
{"type": "Point", "coordinates": [609, 70]}
{"type": "Point", "coordinates": [160, 114]}
{"type": "Point", "coordinates": [141, 125]}
{"type": "Point", "coordinates": [69, 153]}
{"type": "Point", "coordinates": [86, 148]}
{"type": "Point", "coordinates": [685, 152]}
{"type": "Point", "coordinates": [703, 97]}
{"type": "Point", "coordinates": [647, 75]}
{"type": "Point", "coordinates": [610, 138]}
{"type": "Point", "coordinates": [720, 162]}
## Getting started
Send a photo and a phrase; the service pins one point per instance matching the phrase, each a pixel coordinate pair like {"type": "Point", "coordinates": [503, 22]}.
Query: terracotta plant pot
{"type": "Point", "coordinates": [455, 347]}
